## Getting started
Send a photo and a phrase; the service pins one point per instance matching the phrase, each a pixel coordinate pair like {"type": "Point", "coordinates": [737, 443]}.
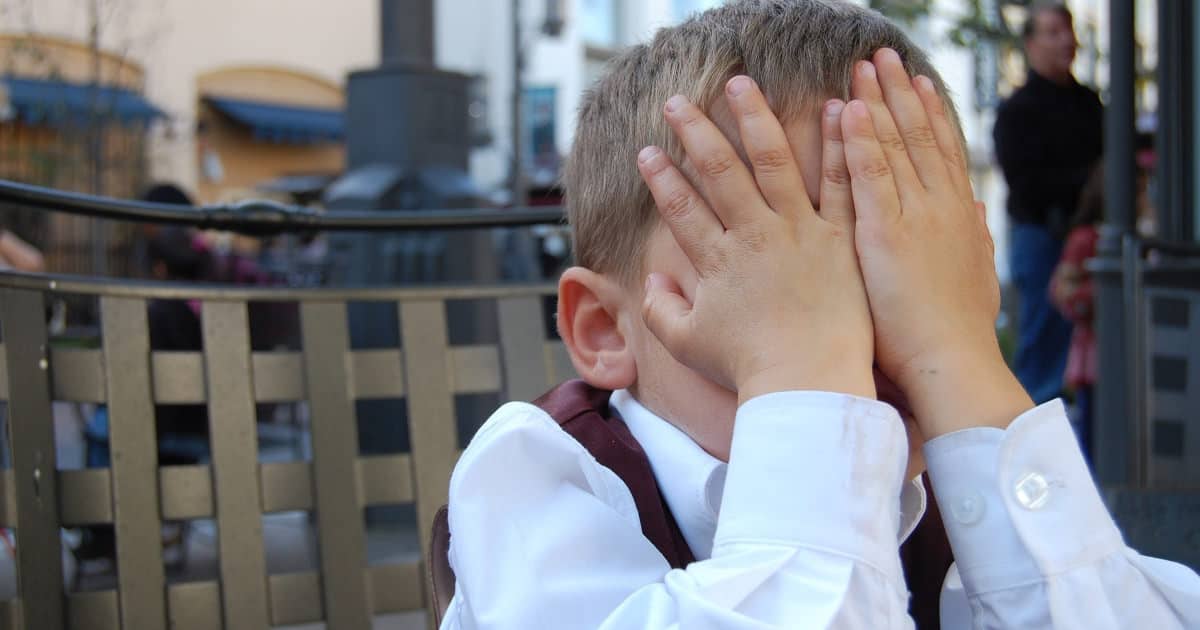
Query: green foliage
{"type": "Point", "coordinates": [969, 29]}
{"type": "Point", "coordinates": [975, 27]}
{"type": "Point", "coordinates": [904, 11]}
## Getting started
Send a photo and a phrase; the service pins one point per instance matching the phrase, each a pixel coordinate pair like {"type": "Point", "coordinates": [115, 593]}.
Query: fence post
{"type": "Point", "coordinates": [136, 515]}
{"type": "Point", "coordinates": [335, 452]}
{"type": "Point", "coordinates": [35, 469]}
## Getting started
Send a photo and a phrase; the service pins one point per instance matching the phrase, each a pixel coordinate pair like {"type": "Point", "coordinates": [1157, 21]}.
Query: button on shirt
{"type": "Point", "coordinates": [800, 529]}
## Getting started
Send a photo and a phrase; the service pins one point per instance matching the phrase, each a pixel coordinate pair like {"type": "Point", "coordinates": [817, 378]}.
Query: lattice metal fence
{"type": "Point", "coordinates": [137, 496]}
{"type": "Point", "coordinates": [1173, 386]}
{"type": "Point", "coordinates": [234, 488]}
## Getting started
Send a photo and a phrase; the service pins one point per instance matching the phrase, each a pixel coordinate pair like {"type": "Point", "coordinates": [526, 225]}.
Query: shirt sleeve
{"type": "Point", "coordinates": [1033, 543]}
{"type": "Point", "coordinates": [544, 537]}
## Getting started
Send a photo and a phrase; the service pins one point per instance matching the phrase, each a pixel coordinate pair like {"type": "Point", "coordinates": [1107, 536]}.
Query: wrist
{"type": "Point", "coordinates": [961, 389]}
{"type": "Point", "coordinates": [833, 376]}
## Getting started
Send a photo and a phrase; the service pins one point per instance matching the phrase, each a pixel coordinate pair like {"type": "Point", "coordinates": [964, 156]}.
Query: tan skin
{"type": "Point", "coordinates": [1051, 48]}
{"type": "Point", "coordinates": [602, 323]}
{"type": "Point", "coordinates": [752, 288]}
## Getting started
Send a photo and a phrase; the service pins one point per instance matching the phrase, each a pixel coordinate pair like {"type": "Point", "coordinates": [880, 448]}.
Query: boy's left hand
{"type": "Point", "coordinates": [926, 253]}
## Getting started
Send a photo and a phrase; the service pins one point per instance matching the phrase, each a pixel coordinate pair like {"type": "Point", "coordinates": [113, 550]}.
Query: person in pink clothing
{"type": "Point", "coordinates": [1071, 293]}
{"type": "Point", "coordinates": [1071, 289]}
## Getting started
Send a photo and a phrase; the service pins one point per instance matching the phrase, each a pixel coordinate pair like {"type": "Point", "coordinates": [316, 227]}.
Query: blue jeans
{"type": "Point", "coordinates": [1043, 336]}
{"type": "Point", "coordinates": [1082, 420]}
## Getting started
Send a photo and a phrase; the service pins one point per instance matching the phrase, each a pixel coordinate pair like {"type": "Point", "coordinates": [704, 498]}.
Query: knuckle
{"type": "Point", "coordinates": [677, 204]}
{"type": "Point", "coordinates": [717, 166]}
{"type": "Point", "coordinates": [874, 169]}
{"type": "Point", "coordinates": [957, 157]}
{"type": "Point", "coordinates": [891, 141]}
{"type": "Point", "coordinates": [835, 174]}
{"type": "Point", "coordinates": [755, 241]}
{"type": "Point", "coordinates": [713, 262]}
{"type": "Point", "coordinates": [920, 136]}
{"type": "Point", "coordinates": [771, 160]}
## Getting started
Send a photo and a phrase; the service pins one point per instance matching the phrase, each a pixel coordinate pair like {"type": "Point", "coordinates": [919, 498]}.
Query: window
{"type": "Point", "coordinates": [683, 9]}
{"type": "Point", "coordinates": [598, 22]}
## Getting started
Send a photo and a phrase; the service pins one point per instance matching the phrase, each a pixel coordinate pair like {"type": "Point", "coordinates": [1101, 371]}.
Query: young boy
{"type": "Point", "coordinates": [736, 328]}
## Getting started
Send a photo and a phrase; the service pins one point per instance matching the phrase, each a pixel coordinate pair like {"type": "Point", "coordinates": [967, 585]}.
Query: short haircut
{"type": "Point", "coordinates": [800, 52]}
{"type": "Point", "coordinates": [1044, 7]}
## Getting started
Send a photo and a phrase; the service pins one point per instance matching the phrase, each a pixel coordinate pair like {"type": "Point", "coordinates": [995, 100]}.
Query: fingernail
{"type": "Point", "coordinates": [647, 154]}
{"type": "Point", "coordinates": [857, 108]}
{"type": "Point", "coordinates": [676, 102]}
{"type": "Point", "coordinates": [834, 108]}
{"type": "Point", "coordinates": [739, 84]}
{"type": "Point", "coordinates": [867, 69]}
{"type": "Point", "coordinates": [923, 82]}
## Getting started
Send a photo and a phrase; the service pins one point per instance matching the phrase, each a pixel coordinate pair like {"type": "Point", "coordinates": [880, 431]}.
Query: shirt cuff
{"type": "Point", "coordinates": [817, 470]}
{"type": "Point", "coordinates": [1019, 504]}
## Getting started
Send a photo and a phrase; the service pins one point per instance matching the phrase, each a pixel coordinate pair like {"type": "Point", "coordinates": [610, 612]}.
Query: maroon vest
{"type": "Point", "coordinates": [583, 412]}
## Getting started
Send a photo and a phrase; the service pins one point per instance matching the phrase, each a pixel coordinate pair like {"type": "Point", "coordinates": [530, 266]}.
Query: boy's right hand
{"type": "Point", "coordinates": [779, 302]}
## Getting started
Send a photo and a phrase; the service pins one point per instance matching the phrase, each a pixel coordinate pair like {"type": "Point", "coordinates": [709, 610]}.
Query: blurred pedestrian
{"type": "Point", "coordinates": [1071, 293]}
{"type": "Point", "coordinates": [1048, 135]}
{"type": "Point", "coordinates": [1071, 285]}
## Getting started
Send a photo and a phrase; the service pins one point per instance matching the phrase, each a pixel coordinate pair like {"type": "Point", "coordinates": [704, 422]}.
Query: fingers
{"type": "Point", "coordinates": [872, 185]}
{"type": "Point", "coordinates": [726, 183]}
{"type": "Point", "coordinates": [948, 140]}
{"type": "Point", "coordinates": [864, 86]}
{"type": "Point", "coordinates": [767, 148]}
{"type": "Point", "coordinates": [983, 225]}
{"type": "Point", "coordinates": [665, 311]}
{"type": "Point", "coordinates": [691, 221]}
{"type": "Point", "coordinates": [837, 203]}
{"type": "Point", "coordinates": [910, 117]}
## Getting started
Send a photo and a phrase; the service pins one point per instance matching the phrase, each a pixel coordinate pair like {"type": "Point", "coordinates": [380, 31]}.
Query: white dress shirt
{"type": "Point", "coordinates": [800, 529]}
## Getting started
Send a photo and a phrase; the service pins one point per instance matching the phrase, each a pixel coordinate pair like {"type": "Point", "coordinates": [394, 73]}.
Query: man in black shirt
{"type": "Point", "coordinates": [1048, 136]}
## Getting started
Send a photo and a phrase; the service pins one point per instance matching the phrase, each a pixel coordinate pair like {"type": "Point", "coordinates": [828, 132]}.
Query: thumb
{"type": "Point", "coordinates": [981, 209]}
{"type": "Point", "coordinates": [666, 312]}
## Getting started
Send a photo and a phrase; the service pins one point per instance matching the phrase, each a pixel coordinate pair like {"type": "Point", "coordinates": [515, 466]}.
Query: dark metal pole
{"type": "Point", "coordinates": [1115, 436]}
{"type": "Point", "coordinates": [519, 192]}
{"type": "Point", "coordinates": [1175, 99]}
{"type": "Point", "coordinates": [406, 32]}
{"type": "Point", "coordinates": [95, 140]}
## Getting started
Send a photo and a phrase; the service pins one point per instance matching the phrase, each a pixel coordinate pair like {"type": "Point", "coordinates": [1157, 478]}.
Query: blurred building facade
{"type": "Point", "coordinates": [247, 90]}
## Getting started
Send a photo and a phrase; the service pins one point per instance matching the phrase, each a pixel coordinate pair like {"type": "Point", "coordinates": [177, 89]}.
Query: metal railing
{"type": "Point", "coordinates": [136, 495]}
{"type": "Point", "coordinates": [269, 217]}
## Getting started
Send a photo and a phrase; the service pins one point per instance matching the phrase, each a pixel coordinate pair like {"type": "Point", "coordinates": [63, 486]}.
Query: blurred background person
{"type": "Point", "coordinates": [175, 254]}
{"type": "Point", "coordinates": [1072, 294]}
{"type": "Point", "coordinates": [1071, 287]}
{"type": "Point", "coordinates": [1048, 135]}
{"type": "Point", "coordinates": [17, 254]}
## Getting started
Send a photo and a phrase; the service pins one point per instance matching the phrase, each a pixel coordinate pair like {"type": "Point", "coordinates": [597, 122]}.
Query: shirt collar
{"type": "Point", "coordinates": [692, 481]}
{"type": "Point", "coordinates": [1035, 79]}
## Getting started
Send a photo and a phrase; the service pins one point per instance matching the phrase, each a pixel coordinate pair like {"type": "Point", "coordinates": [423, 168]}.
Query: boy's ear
{"type": "Point", "coordinates": [588, 307]}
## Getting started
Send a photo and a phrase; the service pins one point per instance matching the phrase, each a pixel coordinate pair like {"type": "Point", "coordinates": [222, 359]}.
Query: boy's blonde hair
{"type": "Point", "coordinates": [801, 52]}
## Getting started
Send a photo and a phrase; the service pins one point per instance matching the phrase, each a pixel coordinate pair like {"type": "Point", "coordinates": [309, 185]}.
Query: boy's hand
{"type": "Point", "coordinates": [779, 304]}
{"type": "Point", "coordinates": [926, 254]}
